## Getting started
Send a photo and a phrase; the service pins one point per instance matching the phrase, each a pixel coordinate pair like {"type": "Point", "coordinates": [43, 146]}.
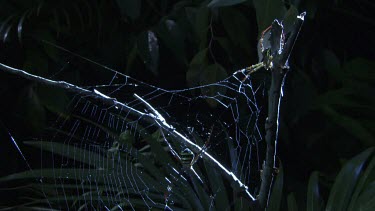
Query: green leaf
{"type": "Point", "coordinates": [277, 191]}
{"type": "Point", "coordinates": [90, 158]}
{"type": "Point", "coordinates": [162, 156]}
{"type": "Point", "coordinates": [267, 11]}
{"type": "Point", "coordinates": [148, 50]}
{"type": "Point", "coordinates": [314, 200]}
{"type": "Point", "coordinates": [222, 3]}
{"type": "Point", "coordinates": [20, 25]}
{"type": "Point", "coordinates": [50, 50]}
{"type": "Point", "coordinates": [292, 203]}
{"type": "Point", "coordinates": [346, 181]}
{"type": "Point", "coordinates": [126, 137]}
{"type": "Point", "coordinates": [311, 7]}
{"type": "Point", "coordinates": [367, 177]}
{"type": "Point", "coordinates": [237, 27]}
{"type": "Point", "coordinates": [173, 37]}
{"type": "Point", "coordinates": [35, 112]}
{"type": "Point", "coordinates": [366, 201]}
{"type": "Point", "coordinates": [216, 181]}
{"type": "Point", "coordinates": [131, 58]}
{"type": "Point", "coordinates": [290, 18]}
{"type": "Point", "coordinates": [68, 151]}
{"type": "Point", "coordinates": [54, 99]}
{"type": "Point", "coordinates": [359, 69]}
{"type": "Point", "coordinates": [196, 67]}
{"type": "Point", "coordinates": [131, 8]}
{"type": "Point", "coordinates": [6, 24]}
{"type": "Point", "coordinates": [337, 97]}
{"type": "Point", "coordinates": [191, 14]}
{"type": "Point", "coordinates": [351, 125]}
{"type": "Point", "coordinates": [80, 16]}
{"type": "Point", "coordinates": [212, 74]}
{"type": "Point", "coordinates": [201, 26]}
{"type": "Point", "coordinates": [331, 63]}
{"type": "Point", "coordinates": [36, 62]}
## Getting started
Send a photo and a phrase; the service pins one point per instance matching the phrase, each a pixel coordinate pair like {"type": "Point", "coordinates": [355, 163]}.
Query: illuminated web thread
{"type": "Point", "coordinates": [92, 169]}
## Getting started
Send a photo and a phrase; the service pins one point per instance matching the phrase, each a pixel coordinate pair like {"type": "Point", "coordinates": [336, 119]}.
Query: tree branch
{"type": "Point", "coordinates": [278, 64]}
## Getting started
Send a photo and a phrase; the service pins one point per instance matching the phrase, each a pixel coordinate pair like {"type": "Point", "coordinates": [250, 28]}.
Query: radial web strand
{"type": "Point", "coordinates": [197, 148]}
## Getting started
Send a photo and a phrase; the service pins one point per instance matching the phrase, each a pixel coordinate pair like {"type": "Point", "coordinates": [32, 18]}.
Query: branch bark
{"type": "Point", "coordinates": [278, 64]}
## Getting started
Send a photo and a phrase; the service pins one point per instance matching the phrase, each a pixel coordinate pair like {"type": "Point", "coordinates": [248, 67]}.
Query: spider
{"type": "Point", "coordinates": [188, 158]}
{"type": "Point", "coordinates": [263, 45]}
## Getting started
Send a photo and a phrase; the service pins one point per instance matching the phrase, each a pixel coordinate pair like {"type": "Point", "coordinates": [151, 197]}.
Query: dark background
{"type": "Point", "coordinates": [327, 114]}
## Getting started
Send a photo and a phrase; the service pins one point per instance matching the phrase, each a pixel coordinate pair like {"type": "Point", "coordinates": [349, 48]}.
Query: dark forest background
{"type": "Point", "coordinates": [327, 113]}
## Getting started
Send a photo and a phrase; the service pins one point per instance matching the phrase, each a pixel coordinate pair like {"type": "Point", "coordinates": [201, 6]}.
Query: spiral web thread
{"type": "Point", "coordinates": [152, 147]}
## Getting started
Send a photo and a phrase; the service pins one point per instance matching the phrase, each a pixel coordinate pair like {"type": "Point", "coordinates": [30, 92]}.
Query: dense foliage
{"type": "Point", "coordinates": [327, 113]}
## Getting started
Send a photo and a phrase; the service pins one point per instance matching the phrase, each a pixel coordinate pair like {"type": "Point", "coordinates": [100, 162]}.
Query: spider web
{"type": "Point", "coordinates": [132, 145]}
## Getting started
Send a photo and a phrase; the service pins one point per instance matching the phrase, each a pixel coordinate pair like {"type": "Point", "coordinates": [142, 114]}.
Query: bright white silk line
{"type": "Point", "coordinates": [158, 116]}
{"type": "Point", "coordinates": [68, 86]}
{"type": "Point", "coordinates": [163, 123]}
{"type": "Point", "coordinates": [19, 150]}
{"type": "Point", "coordinates": [103, 95]}
{"type": "Point", "coordinates": [118, 103]}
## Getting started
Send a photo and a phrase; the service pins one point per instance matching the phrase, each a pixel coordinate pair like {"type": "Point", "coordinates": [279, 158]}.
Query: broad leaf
{"type": "Point", "coordinates": [314, 200]}
{"type": "Point", "coordinates": [364, 183]}
{"type": "Point", "coordinates": [277, 191]}
{"type": "Point", "coordinates": [201, 26]}
{"type": "Point", "coordinates": [267, 11]}
{"type": "Point", "coordinates": [353, 126]}
{"type": "Point", "coordinates": [131, 8]}
{"type": "Point", "coordinates": [48, 98]}
{"type": "Point", "coordinates": [237, 27]}
{"type": "Point", "coordinates": [173, 38]}
{"type": "Point", "coordinates": [366, 201]}
{"type": "Point", "coordinates": [292, 203]}
{"type": "Point", "coordinates": [222, 3]}
{"type": "Point", "coordinates": [148, 50]}
{"type": "Point", "coordinates": [196, 67]}
{"type": "Point", "coordinates": [213, 73]}
{"type": "Point", "coordinates": [290, 18]}
{"type": "Point", "coordinates": [346, 182]}
{"type": "Point", "coordinates": [216, 180]}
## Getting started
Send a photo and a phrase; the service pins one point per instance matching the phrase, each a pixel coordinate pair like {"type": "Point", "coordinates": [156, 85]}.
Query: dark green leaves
{"type": "Point", "coordinates": [353, 189]}
{"type": "Point", "coordinates": [365, 186]}
{"type": "Point", "coordinates": [201, 26]}
{"type": "Point", "coordinates": [314, 201]}
{"type": "Point", "coordinates": [222, 3]}
{"type": "Point", "coordinates": [200, 74]}
{"type": "Point", "coordinates": [292, 203]}
{"type": "Point", "coordinates": [347, 180]}
{"type": "Point", "coordinates": [148, 49]}
{"type": "Point", "coordinates": [211, 74]}
{"type": "Point", "coordinates": [130, 8]}
{"type": "Point", "coordinates": [50, 101]}
{"type": "Point", "coordinates": [237, 27]}
{"type": "Point", "coordinates": [197, 65]}
{"type": "Point", "coordinates": [173, 37]}
{"type": "Point", "coordinates": [290, 18]}
{"type": "Point", "coordinates": [267, 11]}
{"type": "Point", "coordinates": [351, 125]}
{"type": "Point", "coordinates": [277, 191]}
{"type": "Point", "coordinates": [353, 92]}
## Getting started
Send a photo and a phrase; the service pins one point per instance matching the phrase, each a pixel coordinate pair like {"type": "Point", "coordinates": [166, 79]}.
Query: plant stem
{"type": "Point", "coordinates": [278, 69]}
{"type": "Point", "coordinates": [272, 127]}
